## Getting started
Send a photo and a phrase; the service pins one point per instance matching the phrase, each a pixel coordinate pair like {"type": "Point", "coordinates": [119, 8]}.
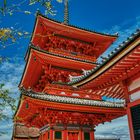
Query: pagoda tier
{"type": "Point", "coordinates": [67, 40]}
{"type": "Point", "coordinates": [44, 71]}
{"type": "Point", "coordinates": [110, 78]}
{"type": "Point", "coordinates": [47, 114]}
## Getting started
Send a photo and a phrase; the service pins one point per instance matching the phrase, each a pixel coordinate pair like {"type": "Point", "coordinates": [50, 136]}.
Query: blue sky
{"type": "Point", "coordinates": [107, 16]}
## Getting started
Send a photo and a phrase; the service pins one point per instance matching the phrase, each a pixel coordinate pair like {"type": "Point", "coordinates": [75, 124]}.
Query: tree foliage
{"type": "Point", "coordinates": [7, 105]}
{"type": "Point", "coordinates": [47, 4]}
{"type": "Point", "coordinates": [6, 100]}
{"type": "Point", "coordinates": [11, 35]}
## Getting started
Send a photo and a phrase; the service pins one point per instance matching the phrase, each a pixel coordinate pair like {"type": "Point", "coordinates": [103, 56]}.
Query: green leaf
{"type": "Point", "coordinates": [13, 39]}
{"type": "Point", "coordinates": [60, 1]}
{"type": "Point", "coordinates": [20, 33]}
{"type": "Point", "coordinates": [27, 12]}
{"type": "Point", "coordinates": [33, 2]}
{"type": "Point", "coordinates": [1, 85]}
{"type": "Point", "coordinates": [26, 33]}
{"type": "Point", "coordinates": [10, 13]}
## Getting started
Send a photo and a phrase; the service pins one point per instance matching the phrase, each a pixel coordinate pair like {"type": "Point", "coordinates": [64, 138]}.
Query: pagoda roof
{"type": "Point", "coordinates": [38, 58]}
{"type": "Point", "coordinates": [38, 99]}
{"type": "Point", "coordinates": [100, 40]}
{"type": "Point", "coordinates": [71, 100]}
{"type": "Point", "coordinates": [73, 27]}
{"type": "Point", "coordinates": [33, 107]}
{"type": "Point", "coordinates": [123, 63]}
{"type": "Point", "coordinates": [77, 27]}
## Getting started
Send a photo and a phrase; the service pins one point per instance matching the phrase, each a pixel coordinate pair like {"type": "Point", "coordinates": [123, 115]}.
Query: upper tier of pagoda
{"type": "Point", "coordinates": [67, 40]}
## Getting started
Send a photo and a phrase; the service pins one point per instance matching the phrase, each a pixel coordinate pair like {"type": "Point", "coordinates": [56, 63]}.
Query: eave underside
{"type": "Point", "coordinates": [37, 113]}
{"type": "Point", "coordinates": [38, 60]}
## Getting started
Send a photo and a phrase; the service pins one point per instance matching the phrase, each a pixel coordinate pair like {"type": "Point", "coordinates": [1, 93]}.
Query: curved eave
{"type": "Point", "coordinates": [72, 107]}
{"type": "Point", "coordinates": [118, 55]}
{"type": "Point", "coordinates": [33, 106]}
{"type": "Point", "coordinates": [78, 29]}
{"type": "Point", "coordinates": [18, 107]}
{"type": "Point", "coordinates": [63, 56]}
{"type": "Point", "coordinates": [56, 59]}
{"type": "Point", "coordinates": [71, 100]}
{"type": "Point", "coordinates": [85, 32]}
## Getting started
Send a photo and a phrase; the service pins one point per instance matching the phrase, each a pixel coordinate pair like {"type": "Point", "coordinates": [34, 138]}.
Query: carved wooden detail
{"type": "Point", "coordinates": [67, 47]}
{"type": "Point", "coordinates": [51, 75]}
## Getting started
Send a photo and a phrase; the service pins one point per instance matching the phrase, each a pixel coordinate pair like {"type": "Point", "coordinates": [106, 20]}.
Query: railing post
{"type": "Point", "coordinates": [92, 136]}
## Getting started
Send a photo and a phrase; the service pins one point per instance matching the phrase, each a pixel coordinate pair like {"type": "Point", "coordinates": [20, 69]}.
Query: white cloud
{"type": "Point", "coordinates": [10, 75]}
{"type": "Point", "coordinates": [6, 137]}
{"type": "Point", "coordinates": [125, 30]}
{"type": "Point", "coordinates": [117, 128]}
{"type": "Point", "coordinates": [6, 126]}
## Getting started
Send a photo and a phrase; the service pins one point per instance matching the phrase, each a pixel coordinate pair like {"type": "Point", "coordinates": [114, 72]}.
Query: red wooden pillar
{"type": "Point", "coordinates": [74, 136]}
{"type": "Point", "coordinates": [43, 136]}
{"type": "Point", "coordinates": [81, 135]}
{"type": "Point", "coordinates": [70, 137]}
{"type": "Point", "coordinates": [77, 136]}
{"type": "Point", "coordinates": [130, 124]}
{"type": "Point", "coordinates": [135, 103]}
{"type": "Point", "coordinates": [92, 137]}
{"type": "Point", "coordinates": [65, 133]}
{"type": "Point", "coordinates": [125, 87]}
{"type": "Point", "coordinates": [46, 136]}
{"type": "Point", "coordinates": [51, 134]}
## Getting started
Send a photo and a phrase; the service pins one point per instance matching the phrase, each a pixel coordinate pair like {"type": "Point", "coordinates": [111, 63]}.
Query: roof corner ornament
{"type": "Point", "coordinates": [66, 12]}
{"type": "Point", "coordinates": [116, 34]}
{"type": "Point", "coordinates": [86, 72]}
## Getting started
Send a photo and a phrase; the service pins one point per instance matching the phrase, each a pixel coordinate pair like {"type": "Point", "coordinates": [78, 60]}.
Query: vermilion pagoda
{"type": "Point", "coordinates": [62, 87]}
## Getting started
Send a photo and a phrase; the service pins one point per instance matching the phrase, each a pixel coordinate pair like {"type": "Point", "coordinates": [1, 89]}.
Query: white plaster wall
{"type": "Point", "coordinates": [135, 96]}
{"type": "Point", "coordinates": [135, 84]}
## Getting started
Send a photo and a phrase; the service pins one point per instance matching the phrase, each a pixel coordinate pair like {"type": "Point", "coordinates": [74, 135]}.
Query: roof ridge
{"type": "Point", "coordinates": [81, 28]}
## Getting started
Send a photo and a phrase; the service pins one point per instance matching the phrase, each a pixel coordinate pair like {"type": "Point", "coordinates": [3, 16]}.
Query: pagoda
{"type": "Point", "coordinates": [63, 86]}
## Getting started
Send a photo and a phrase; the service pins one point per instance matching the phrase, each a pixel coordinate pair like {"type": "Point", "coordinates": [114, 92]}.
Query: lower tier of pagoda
{"type": "Point", "coordinates": [49, 117]}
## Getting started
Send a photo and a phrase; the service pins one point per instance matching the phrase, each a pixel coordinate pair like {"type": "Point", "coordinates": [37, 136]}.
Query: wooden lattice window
{"type": "Point", "coordinates": [58, 135]}
{"type": "Point", "coordinates": [86, 136]}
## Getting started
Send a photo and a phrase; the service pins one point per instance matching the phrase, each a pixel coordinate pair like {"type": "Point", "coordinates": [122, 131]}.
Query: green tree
{"type": "Point", "coordinates": [6, 100]}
